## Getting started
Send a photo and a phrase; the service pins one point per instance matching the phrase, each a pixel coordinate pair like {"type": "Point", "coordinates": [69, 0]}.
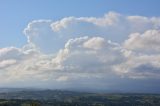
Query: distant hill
{"type": "Point", "coordinates": [5, 90]}
{"type": "Point", "coordinates": [41, 97]}
{"type": "Point", "coordinates": [37, 94]}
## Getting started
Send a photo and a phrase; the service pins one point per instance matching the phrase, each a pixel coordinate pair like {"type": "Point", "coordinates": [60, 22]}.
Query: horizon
{"type": "Point", "coordinates": [5, 89]}
{"type": "Point", "coordinates": [94, 45]}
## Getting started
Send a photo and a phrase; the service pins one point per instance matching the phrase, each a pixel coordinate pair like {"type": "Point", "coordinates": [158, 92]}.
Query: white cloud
{"type": "Point", "coordinates": [10, 53]}
{"type": "Point", "coordinates": [95, 43]}
{"type": "Point", "coordinates": [142, 52]}
{"type": "Point", "coordinates": [74, 58]}
{"type": "Point", "coordinates": [62, 78]}
{"type": "Point", "coordinates": [50, 36]}
{"type": "Point", "coordinates": [80, 51]}
{"type": "Point", "coordinates": [149, 41]}
{"type": "Point", "coordinates": [140, 66]}
{"type": "Point", "coordinates": [79, 58]}
{"type": "Point", "coordinates": [6, 63]}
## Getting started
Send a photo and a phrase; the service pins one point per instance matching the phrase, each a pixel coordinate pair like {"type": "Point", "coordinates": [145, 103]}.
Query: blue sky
{"type": "Point", "coordinates": [16, 14]}
{"type": "Point", "coordinates": [80, 44]}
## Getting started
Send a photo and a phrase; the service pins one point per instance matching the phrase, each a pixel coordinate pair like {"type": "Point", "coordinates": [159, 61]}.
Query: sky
{"type": "Point", "coordinates": [80, 44]}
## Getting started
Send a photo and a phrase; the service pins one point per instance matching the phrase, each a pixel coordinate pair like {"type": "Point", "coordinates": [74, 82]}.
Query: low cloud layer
{"type": "Point", "coordinates": [100, 53]}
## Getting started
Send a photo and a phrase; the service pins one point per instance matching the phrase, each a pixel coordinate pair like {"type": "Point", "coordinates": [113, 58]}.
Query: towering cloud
{"type": "Point", "coordinates": [49, 36]}
{"type": "Point", "coordinates": [86, 52]}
